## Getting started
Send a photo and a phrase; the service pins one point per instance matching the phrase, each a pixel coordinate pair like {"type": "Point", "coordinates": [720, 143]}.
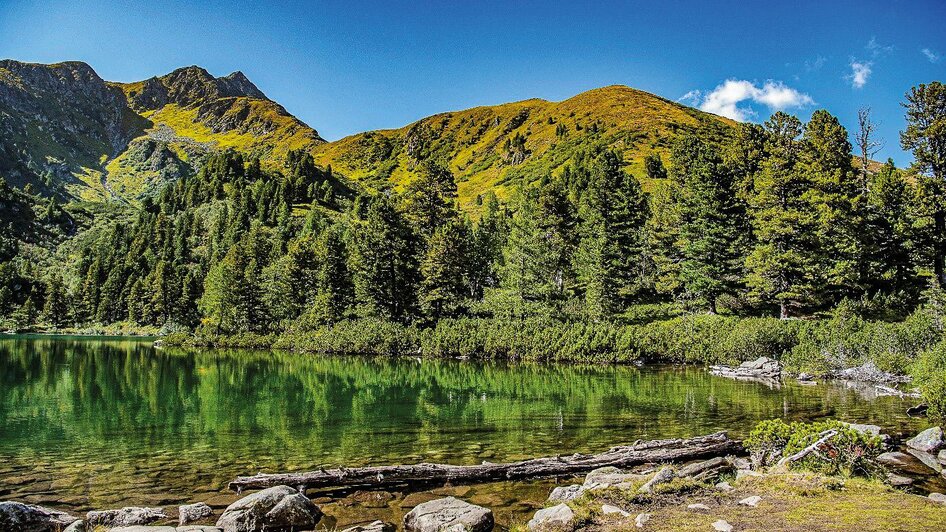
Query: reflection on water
{"type": "Point", "coordinates": [102, 422]}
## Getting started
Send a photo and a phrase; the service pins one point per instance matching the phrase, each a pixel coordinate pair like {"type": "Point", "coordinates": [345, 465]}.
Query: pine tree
{"type": "Point", "coordinates": [56, 306]}
{"type": "Point", "coordinates": [335, 289]}
{"type": "Point", "coordinates": [431, 199]}
{"type": "Point", "coordinates": [445, 288]}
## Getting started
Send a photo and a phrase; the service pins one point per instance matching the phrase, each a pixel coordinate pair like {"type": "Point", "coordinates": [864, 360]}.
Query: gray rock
{"type": "Point", "coordinates": [191, 513]}
{"type": "Point", "coordinates": [698, 506]}
{"type": "Point", "coordinates": [938, 497]}
{"type": "Point", "coordinates": [266, 509]}
{"type": "Point", "coordinates": [707, 470]}
{"type": "Point", "coordinates": [76, 526]}
{"type": "Point", "coordinates": [447, 513]}
{"type": "Point", "coordinates": [558, 517]}
{"type": "Point", "coordinates": [567, 493]}
{"type": "Point", "coordinates": [31, 518]}
{"type": "Point", "coordinates": [198, 528]}
{"type": "Point", "coordinates": [751, 501]}
{"type": "Point", "coordinates": [742, 463]}
{"type": "Point", "coordinates": [760, 368]}
{"type": "Point", "coordinates": [869, 372]}
{"type": "Point", "coordinates": [663, 476]}
{"type": "Point", "coordinates": [124, 517]}
{"type": "Point", "coordinates": [605, 477]}
{"type": "Point", "coordinates": [722, 526]}
{"type": "Point", "coordinates": [743, 473]}
{"type": "Point", "coordinates": [941, 457]}
{"type": "Point", "coordinates": [930, 440]}
{"type": "Point", "coordinates": [898, 480]}
{"type": "Point", "coordinates": [904, 462]}
{"type": "Point", "coordinates": [607, 509]}
{"type": "Point", "coordinates": [374, 526]}
{"type": "Point", "coordinates": [641, 520]}
{"type": "Point", "coordinates": [927, 459]}
{"type": "Point", "coordinates": [873, 430]}
{"type": "Point", "coordinates": [724, 486]}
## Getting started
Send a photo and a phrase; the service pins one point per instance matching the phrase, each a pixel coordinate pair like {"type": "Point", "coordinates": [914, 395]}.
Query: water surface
{"type": "Point", "coordinates": [93, 423]}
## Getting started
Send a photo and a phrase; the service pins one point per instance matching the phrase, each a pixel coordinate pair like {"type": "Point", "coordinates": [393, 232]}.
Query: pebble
{"type": "Point", "coordinates": [724, 486]}
{"type": "Point", "coordinates": [607, 509]}
{"type": "Point", "coordinates": [641, 519]}
{"type": "Point", "coordinates": [722, 526]}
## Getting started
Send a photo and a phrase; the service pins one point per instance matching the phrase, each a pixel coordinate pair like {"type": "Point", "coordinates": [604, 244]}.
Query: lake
{"type": "Point", "coordinates": [93, 423]}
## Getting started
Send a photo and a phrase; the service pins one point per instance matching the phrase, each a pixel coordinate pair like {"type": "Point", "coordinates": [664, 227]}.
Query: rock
{"type": "Point", "coordinates": [663, 476]}
{"type": "Point", "coordinates": [607, 509]}
{"type": "Point", "coordinates": [707, 470]}
{"type": "Point", "coordinates": [605, 477]}
{"type": "Point", "coordinates": [760, 368]}
{"type": "Point", "coordinates": [190, 513]}
{"type": "Point", "coordinates": [918, 410]}
{"type": "Point", "coordinates": [743, 473]}
{"type": "Point", "coordinates": [869, 372]}
{"type": "Point", "coordinates": [724, 486]}
{"type": "Point", "coordinates": [555, 518]}
{"type": "Point", "coordinates": [927, 459]}
{"type": "Point", "coordinates": [898, 480]}
{"type": "Point", "coordinates": [567, 493]}
{"type": "Point", "coordinates": [751, 501]}
{"type": "Point", "coordinates": [941, 457]}
{"type": "Point", "coordinates": [127, 516]}
{"type": "Point", "coordinates": [938, 497]}
{"type": "Point", "coordinates": [742, 463]}
{"type": "Point", "coordinates": [930, 440]}
{"type": "Point", "coordinates": [641, 520]}
{"type": "Point", "coordinates": [873, 430]}
{"type": "Point", "coordinates": [279, 506]}
{"type": "Point", "coordinates": [198, 528]}
{"type": "Point", "coordinates": [904, 462]}
{"type": "Point", "coordinates": [698, 506]}
{"type": "Point", "coordinates": [722, 526]}
{"type": "Point", "coordinates": [446, 513]}
{"type": "Point", "coordinates": [805, 376]}
{"type": "Point", "coordinates": [30, 518]}
{"type": "Point", "coordinates": [374, 526]}
{"type": "Point", "coordinates": [76, 526]}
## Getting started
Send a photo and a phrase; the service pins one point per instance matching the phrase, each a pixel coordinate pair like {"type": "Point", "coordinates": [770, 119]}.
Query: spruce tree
{"type": "Point", "coordinates": [445, 288]}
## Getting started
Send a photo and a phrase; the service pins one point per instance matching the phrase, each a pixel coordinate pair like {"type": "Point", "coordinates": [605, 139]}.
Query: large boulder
{"type": "Point", "coordinates": [191, 513]}
{"type": "Point", "coordinates": [30, 518]}
{"type": "Point", "coordinates": [559, 517]}
{"type": "Point", "coordinates": [448, 513]}
{"type": "Point", "coordinates": [276, 508]}
{"type": "Point", "coordinates": [127, 516]}
{"type": "Point", "coordinates": [928, 441]}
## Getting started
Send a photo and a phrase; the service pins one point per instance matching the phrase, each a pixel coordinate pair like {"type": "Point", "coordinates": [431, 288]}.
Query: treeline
{"type": "Point", "coordinates": [781, 220]}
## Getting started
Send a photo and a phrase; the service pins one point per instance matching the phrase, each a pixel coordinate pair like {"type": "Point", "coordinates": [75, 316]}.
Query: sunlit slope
{"type": "Point", "coordinates": [494, 147]}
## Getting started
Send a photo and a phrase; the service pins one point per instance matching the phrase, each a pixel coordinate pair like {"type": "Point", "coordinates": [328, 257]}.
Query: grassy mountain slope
{"type": "Point", "coordinates": [491, 148]}
{"type": "Point", "coordinates": [67, 132]}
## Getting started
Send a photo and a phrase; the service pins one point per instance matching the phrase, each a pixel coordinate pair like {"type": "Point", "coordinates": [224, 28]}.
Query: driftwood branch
{"type": "Point", "coordinates": [382, 477]}
{"type": "Point", "coordinates": [823, 438]}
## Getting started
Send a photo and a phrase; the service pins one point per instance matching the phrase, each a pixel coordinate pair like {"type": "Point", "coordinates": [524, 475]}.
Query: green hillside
{"type": "Point", "coordinates": [490, 148]}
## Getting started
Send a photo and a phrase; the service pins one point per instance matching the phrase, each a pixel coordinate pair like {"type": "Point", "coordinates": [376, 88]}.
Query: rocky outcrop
{"type": "Point", "coordinates": [869, 372]}
{"type": "Point", "coordinates": [448, 513]}
{"type": "Point", "coordinates": [760, 368]}
{"type": "Point", "coordinates": [128, 516]}
{"type": "Point", "coordinates": [929, 441]}
{"type": "Point", "coordinates": [30, 518]}
{"type": "Point", "coordinates": [556, 518]}
{"type": "Point", "coordinates": [279, 507]}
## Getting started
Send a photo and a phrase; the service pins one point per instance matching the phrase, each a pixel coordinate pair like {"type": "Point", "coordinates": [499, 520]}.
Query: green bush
{"type": "Point", "coordinates": [929, 373]}
{"type": "Point", "coordinates": [848, 453]}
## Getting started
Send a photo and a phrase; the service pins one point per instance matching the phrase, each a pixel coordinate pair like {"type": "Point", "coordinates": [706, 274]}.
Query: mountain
{"type": "Point", "coordinates": [67, 132]}
{"type": "Point", "coordinates": [491, 148]}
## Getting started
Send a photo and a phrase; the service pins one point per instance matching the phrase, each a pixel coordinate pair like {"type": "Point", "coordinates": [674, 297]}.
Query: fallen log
{"type": "Point", "coordinates": [382, 477]}
{"type": "Point", "coordinates": [823, 438]}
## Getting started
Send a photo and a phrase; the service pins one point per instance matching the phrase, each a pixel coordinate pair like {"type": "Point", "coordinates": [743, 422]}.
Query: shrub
{"type": "Point", "coordinates": [848, 453]}
{"type": "Point", "coordinates": [929, 372]}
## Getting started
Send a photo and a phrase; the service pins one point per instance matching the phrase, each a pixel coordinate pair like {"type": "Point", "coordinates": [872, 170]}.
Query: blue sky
{"type": "Point", "coordinates": [345, 67]}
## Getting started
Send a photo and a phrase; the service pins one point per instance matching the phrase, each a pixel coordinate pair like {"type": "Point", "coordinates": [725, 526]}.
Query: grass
{"type": "Point", "coordinates": [472, 141]}
{"type": "Point", "coordinates": [790, 502]}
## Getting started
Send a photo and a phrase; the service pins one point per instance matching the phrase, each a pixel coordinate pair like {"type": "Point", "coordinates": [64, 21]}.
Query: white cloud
{"type": "Point", "coordinates": [876, 49]}
{"type": "Point", "coordinates": [860, 71]}
{"type": "Point", "coordinates": [725, 99]}
{"type": "Point", "coordinates": [692, 97]}
{"type": "Point", "coordinates": [931, 55]}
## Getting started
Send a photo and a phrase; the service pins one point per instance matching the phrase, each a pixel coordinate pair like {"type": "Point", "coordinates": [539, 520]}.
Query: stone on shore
{"type": "Point", "coordinates": [938, 497]}
{"type": "Point", "coordinates": [930, 440]}
{"type": "Point", "coordinates": [760, 368]}
{"type": "Point", "coordinates": [555, 518]}
{"type": "Point", "coordinates": [374, 526]}
{"type": "Point", "coordinates": [447, 513]}
{"type": "Point", "coordinates": [869, 372]}
{"type": "Point", "coordinates": [663, 476]}
{"type": "Point", "coordinates": [722, 526]}
{"type": "Point", "coordinates": [567, 493]}
{"type": "Point", "coordinates": [31, 518]}
{"type": "Point", "coordinates": [904, 462]}
{"type": "Point", "coordinates": [941, 457]}
{"type": "Point", "coordinates": [641, 520]}
{"type": "Point", "coordinates": [191, 513]}
{"type": "Point", "coordinates": [607, 509]}
{"type": "Point", "coordinates": [76, 526]}
{"type": "Point", "coordinates": [124, 517]}
{"type": "Point", "coordinates": [271, 508]}
{"type": "Point", "coordinates": [751, 501]}
{"type": "Point", "coordinates": [605, 477]}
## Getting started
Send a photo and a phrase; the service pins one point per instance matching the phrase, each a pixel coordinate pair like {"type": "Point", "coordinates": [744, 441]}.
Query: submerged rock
{"type": "Point", "coordinates": [31, 518]}
{"type": "Point", "coordinates": [558, 517]}
{"type": "Point", "coordinates": [128, 516]}
{"type": "Point", "coordinates": [271, 508]}
{"type": "Point", "coordinates": [449, 512]}
{"type": "Point", "coordinates": [930, 440]}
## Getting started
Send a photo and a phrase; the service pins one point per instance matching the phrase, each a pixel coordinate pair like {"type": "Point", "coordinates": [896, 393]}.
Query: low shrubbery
{"type": "Point", "coordinates": [929, 372]}
{"type": "Point", "coordinates": [849, 452]}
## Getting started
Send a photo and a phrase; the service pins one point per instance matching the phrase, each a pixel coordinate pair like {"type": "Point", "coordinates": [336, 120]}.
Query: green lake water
{"type": "Point", "coordinates": [95, 422]}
